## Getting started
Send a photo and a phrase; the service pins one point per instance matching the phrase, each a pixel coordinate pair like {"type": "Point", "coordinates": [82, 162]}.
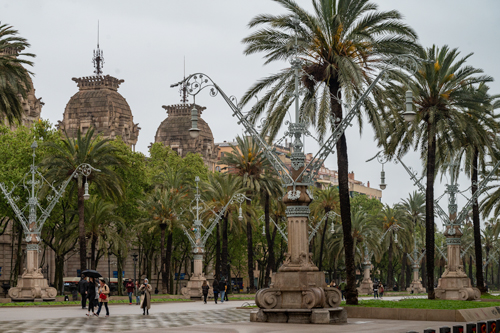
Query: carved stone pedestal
{"type": "Point", "coordinates": [416, 285]}
{"type": "Point", "coordinates": [366, 286]}
{"type": "Point", "coordinates": [32, 285]}
{"type": "Point", "coordinates": [193, 289]}
{"type": "Point", "coordinates": [454, 283]}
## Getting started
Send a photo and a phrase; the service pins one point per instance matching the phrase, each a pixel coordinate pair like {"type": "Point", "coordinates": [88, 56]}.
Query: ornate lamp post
{"type": "Point", "coordinates": [454, 283]}
{"type": "Point", "coordinates": [134, 258]}
{"type": "Point", "coordinates": [32, 285]}
{"type": "Point", "coordinates": [193, 288]}
{"type": "Point", "coordinates": [366, 285]}
{"type": "Point", "coordinates": [298, 284]}
{"type": "Point", "coordinates": [382, 159]}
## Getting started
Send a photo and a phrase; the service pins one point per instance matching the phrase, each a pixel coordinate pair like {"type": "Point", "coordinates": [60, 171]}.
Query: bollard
{"type": "Point", "coordinates": [481, 327]}
{"type": "Point", "coordinates": [430, 330]}
{"type": "Point", "coordinates": [470, 328]}
{"type": "Point", "coordinates": [491, 326]}
{"type": "Point", "coordinates": [444, 329]}
{"type": "Point", "coordinates": [458, 329]}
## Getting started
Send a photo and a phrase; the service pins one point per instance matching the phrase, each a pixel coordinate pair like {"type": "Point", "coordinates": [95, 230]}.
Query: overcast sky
{"type": "Point", "coordinates": [145, 43]}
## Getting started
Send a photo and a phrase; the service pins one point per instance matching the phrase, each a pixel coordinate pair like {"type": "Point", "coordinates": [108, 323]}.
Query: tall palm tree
{"type": "Point", "coordinates": [444, 104]}
{"type": "Point", "coordinates": [102, 227]}
{"type": "Point", "coordinates": [325, 201]}
{"type": "Point", "coordinates": [15, 81]}
{"type": "Point", "coordinates": [67, 154]}
{"type": "Point", "coordinates": [163, 206]}
{"type": "Point", "coordinates": [342, 45]}
{"type": "Point", "coordinates": [248, 162]}
{"type": "Point", "coordinates": [218, 191]}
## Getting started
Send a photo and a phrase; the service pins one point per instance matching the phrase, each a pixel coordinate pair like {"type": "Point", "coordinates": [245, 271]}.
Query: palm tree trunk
{"type": "Point", "coordinates": [250, 259]}
{"type": "Point", "coordinates": [351, 293]}
{"type": "Point", "coordinates": [81, 229]}
{"type": "Point", "coordinates": [477, 226]}
{"type": "Point", "coordinates": [429, 209]}
{"type": "Point", "coordinates": [164, 276]}
{"type": "Point", "coordinates": [402, 283]}
{"type": "Point", "coordinates": [269, 239]}
{"type": "Point", "coordinates": [168, 258]}
{"type": "Point", "coordinates": [119, 268]}
{"type": "Point", "coordinates": [322, 244]}
{"type": "Point", "coordinates": [217, 253]}
{"type": "Point", "coordinates": [224, 272]}
{"type": "Point", "coordinates": [93, 245]}
{"type": "Point", "coordinates": [390, 273]}
{"type": "Point", "coordinates": [58, 279]}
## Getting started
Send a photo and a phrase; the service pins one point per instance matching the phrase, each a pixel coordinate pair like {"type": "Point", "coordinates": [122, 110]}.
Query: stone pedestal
{"type": "Point", "coordinates": [415, 284]}
{"type": "Point", "coordinates": [366, 286]}
{"type": "Point", "coordinates": [193, 289]}
{"type": "Point", "coordinates": [32, 285]}
{"type": "Point", "coordinates": [454, 283]}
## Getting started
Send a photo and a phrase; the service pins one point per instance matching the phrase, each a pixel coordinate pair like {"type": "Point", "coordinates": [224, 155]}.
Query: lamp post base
{"type": "Point", "coordinates": [31, 286]}
{"type": "Point", "coordinates": [365, 287]}
{"type": "Point", "coordinates": [456, 288]}
{"type": "Point", "coordinates": [417, 287]}
{"type": "Point", "coordinates": [193, 289]}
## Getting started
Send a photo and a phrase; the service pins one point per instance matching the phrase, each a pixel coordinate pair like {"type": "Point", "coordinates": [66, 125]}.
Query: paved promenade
{"type": "Point", "coordinates": [178, 317]}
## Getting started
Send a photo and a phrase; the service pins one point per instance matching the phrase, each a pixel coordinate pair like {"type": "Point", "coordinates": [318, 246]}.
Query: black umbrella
{"type": "Point", "coordinates": [91, 273]}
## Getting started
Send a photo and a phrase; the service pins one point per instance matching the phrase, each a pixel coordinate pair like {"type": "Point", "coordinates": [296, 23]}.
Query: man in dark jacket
{"type": "Point", "coordinates": [222, 289]}
{"type": "Point", "coordinates": [82, 288]}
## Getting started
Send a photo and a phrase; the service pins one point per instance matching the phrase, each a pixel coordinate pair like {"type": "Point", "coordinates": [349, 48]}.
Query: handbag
{"type": "Point", "coordinates": [102, 297]}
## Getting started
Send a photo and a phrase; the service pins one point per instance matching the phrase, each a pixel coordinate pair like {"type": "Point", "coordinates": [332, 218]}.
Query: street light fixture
{"type": "Point", "coordinates": [409, 115]}
{"type": "Point", "coordinates": [382, 159]}
{"type": "Point", "coordinates": [194, 131]}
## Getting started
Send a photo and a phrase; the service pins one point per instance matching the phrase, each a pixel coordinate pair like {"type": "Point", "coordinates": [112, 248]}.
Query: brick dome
{"type": "Point", "coordinates": [98, 104]}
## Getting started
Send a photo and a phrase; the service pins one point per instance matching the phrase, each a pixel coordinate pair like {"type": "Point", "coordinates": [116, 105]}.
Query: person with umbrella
{"type": "Point", "coordinates": [82, 288]}
{"type": "Point", "coordinates": [145, 290]}
{"type": "Point", "coordinates": [91, 295]}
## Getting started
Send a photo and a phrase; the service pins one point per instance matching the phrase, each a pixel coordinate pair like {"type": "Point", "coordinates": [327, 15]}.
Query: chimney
{"type": "Point", "coordinates": [368, 184]}
{"type": "Point", "coordinates": [351, 175]}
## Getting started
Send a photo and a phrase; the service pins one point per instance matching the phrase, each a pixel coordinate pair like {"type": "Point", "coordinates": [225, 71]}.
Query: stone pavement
{"type": "Point", "coordinates": [179, 317]}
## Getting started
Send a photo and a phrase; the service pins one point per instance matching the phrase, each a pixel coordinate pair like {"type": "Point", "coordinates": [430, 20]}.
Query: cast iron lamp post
{"type": "Point", "coordinates": [134, 258]}
{"type": "Point", "coordinates": [32, 285]}
{"type": "Point", "coordinates": [193, 288]}
{"type": "Point", "coordinates": [298, 284]}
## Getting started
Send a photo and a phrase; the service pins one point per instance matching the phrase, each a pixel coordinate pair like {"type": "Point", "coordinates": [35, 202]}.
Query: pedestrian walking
{"type": "Point", "coordinates": [375, 290]}
{"type": "Point", "coordinates": [130, 290]}
{"type": "Point", "coordinates": [137, 297]}
{"type": "Point", "coordinates": [205, 287]}
{"type": "Point", "coordinates": [91, 293]}
{"type": "Point", "coordinates": [215, 287]}
{"type": "Point", "coordinates": [222, 289]}
{"type": "Point", "coordinates": [381, 290]}
{"type": "Point", "coordinates": [82, 289]}
{"type": "Point", "coordinates": [226, 298]}
{"type": "Point", "coordinates": [103, 297]}
{"type": "Point", "coordinates": [342, 289]}
{"type": "Point", "coordinates": [145, 290]}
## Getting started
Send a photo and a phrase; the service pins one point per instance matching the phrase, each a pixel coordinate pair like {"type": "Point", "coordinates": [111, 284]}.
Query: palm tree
{"type": "Point", "coordinates": [102, 227]}
{"type": "Point", "coordinates": [342, 45]}
{"type": "Point", "coordinates": [444, 104]}
{"type": "Point", "coordinates": [218, 191]}
{"type": "Point", "coordinates": [325, 201]}
{"type": "Point", "coordinates": [163, 206]}
{"type": "Point", "coordinates": [65, 157]}
{"type": "Point", "coordinates": [248, 162]}
{"type": "Point", "coordinates": [15, 80]}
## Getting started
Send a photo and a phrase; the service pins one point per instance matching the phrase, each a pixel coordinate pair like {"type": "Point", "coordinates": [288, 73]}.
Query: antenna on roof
{"type": "Point", "coordinates": [98, 58]}
{"type": "Point", "coordinates": [183, 89]}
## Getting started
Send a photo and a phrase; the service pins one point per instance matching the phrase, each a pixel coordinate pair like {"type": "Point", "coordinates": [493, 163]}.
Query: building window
{"type": "Point", "coordinates": [222, 155]}
{"type": "Point", "coordinates": [217, 168]}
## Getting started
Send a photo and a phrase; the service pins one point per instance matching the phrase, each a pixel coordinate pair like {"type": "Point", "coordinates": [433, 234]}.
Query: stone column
{"type": "Point", "coordinates": [366, 285]}
{"type": "Point", "coordinates": [454, 283]}
{"type": "Point", "coordinates": [415, 284]}
{"type": "Point", "coordinates": [193, 289]}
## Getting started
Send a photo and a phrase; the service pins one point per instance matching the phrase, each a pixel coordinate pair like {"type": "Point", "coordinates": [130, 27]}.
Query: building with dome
{"type": "Point", "coordinates": [174, 132]}
{"type": "Point", "coordinates": [98, 104]}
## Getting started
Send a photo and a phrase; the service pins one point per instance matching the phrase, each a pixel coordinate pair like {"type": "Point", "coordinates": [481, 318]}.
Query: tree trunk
{"type": "Point", "coordinates": [58, 279]}
{"type": "Point", "coordinates": [351, 293]}
{"type": "Point", "coordinates": [81, 229]}
{"type": "Point", "coordinates": [119, 268]}
{"type": "Point", "coordinates": [217, 253]}
{"type": "Point", "coordinates": [250, 259]}
{"type": "Point", "coordinates": [477, 226]}
{"type": "Point", "coordinates": [402, 280]}
{"type": "Point", "coordinates": [168, 258]}
{"type": "Point", "coordinates": [390, 268]}
{"type": "Point", "coordinates": [429, 210]}
{"type": "Point", "coordinates": [163, 259]}
{"type": "Point", "coordinates": [93, 245]}
{"type": "Point", "coordinates": [322, 244]}
{"type": "Point", "coordinates": [269, 239]}
{"type": "Point", "coordinates": [223, 261]}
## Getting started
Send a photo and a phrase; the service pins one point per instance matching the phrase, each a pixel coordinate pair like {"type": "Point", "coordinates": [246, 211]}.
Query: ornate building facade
{"type": "Point", "coordinates": [174, 132]}
{"type": "Point", "coordinates": [98, 104]}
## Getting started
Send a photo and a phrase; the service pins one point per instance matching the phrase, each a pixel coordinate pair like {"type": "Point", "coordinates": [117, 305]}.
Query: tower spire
{"type": "Point", "coordinates": [98, 58]}
{"type": "Point", "coordinates": [183, 89]}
